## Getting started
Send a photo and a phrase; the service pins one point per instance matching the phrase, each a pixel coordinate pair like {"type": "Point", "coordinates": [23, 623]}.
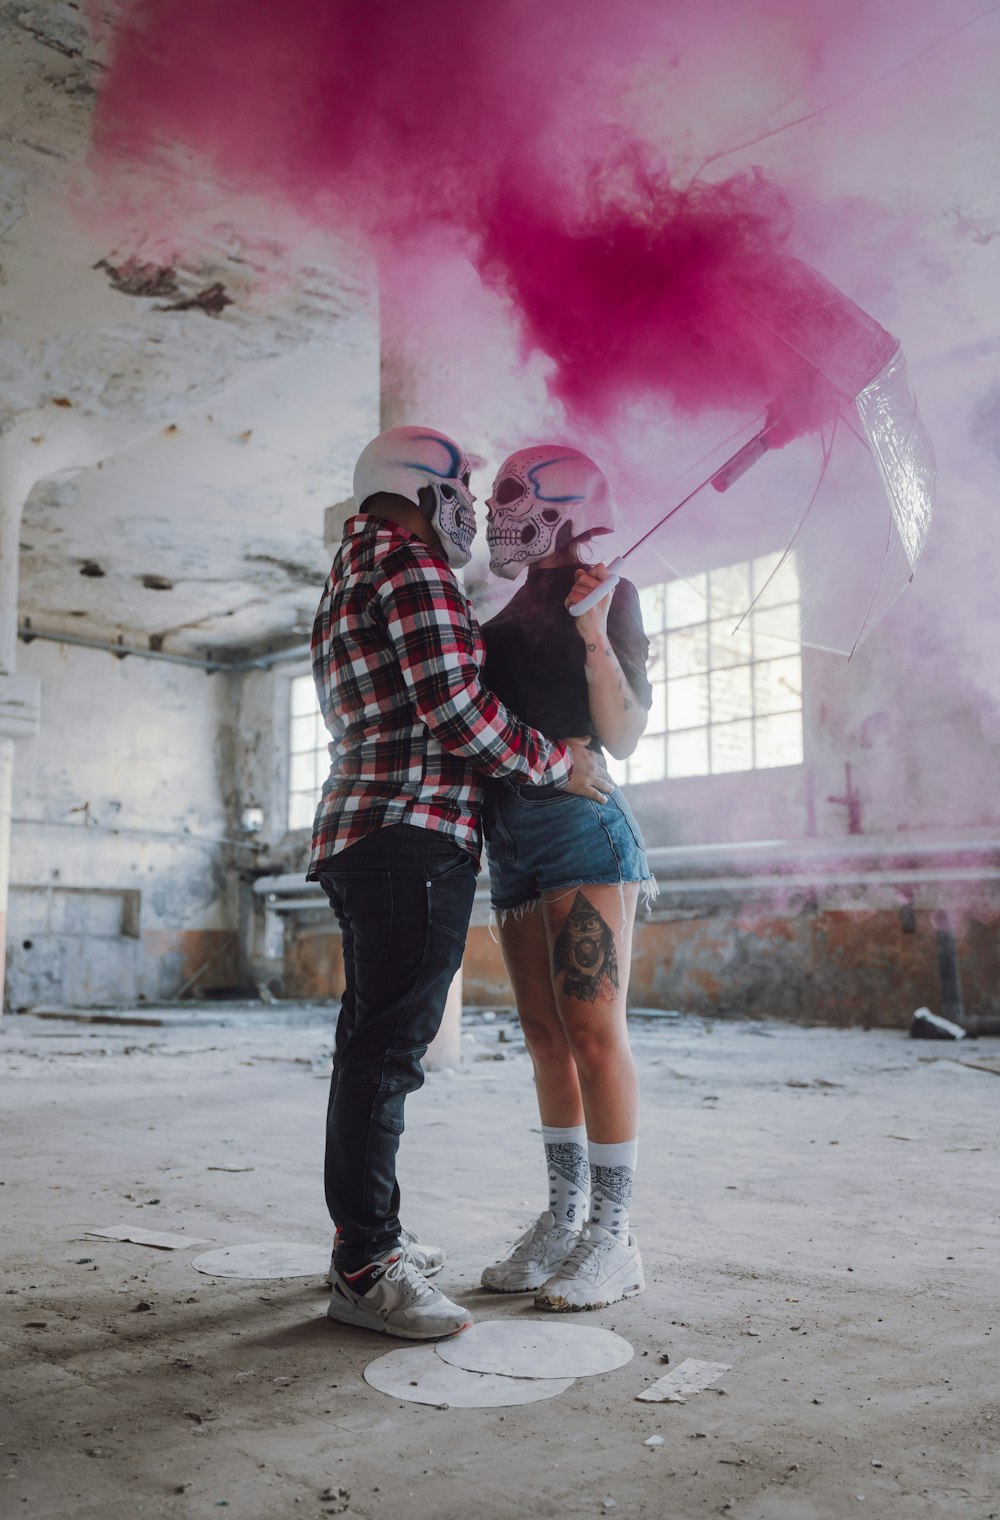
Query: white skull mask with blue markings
{"type": "Point", "coordinates": [536, 491]}
{"type": "Point", "coordinates": [429, 469]}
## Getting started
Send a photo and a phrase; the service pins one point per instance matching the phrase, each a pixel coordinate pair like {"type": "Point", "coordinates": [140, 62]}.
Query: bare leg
{"type": "Point", "coordinates": [546, 1244]}
{"type": "Point", "coordinates": [591, 948]}
{"type": "Point", "coordinates": [525, 946]}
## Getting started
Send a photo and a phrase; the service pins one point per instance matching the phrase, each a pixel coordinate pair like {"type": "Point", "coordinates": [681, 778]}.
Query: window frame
{"type": "Point", "coordinates": [318, 750]}
{"type": "Point", "coordinates": [765, 581]}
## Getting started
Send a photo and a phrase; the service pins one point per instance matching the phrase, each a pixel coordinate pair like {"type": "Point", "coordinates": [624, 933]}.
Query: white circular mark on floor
{"type": "Point", "coordinates": [417, 1374]}
{"type": "Point", "coordinates": [266, 1258]}
{"type": "Point", "coordinates": [534, 1349]}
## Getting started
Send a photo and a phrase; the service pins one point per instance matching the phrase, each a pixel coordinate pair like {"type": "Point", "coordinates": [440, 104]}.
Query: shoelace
{"type": "Point", "coordinates": [581, 1252]}
{"type": "Point", "coordinates": [403, 1270]}
{"type": "Point", "coordinates": [531, 1244]}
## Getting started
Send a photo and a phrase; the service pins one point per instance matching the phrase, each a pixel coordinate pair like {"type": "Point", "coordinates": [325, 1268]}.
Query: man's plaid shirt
{"type": "Point", "coordinates": [396, 653]}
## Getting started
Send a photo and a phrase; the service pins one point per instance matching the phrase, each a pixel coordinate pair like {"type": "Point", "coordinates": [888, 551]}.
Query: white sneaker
{"type": "Point", "coordinates": [533, 1258]}
{"type": "Point", "coordinates": [391, 1296]}
{"type": "Point", "coordinates": [601, 1269]}
{"type": "Point", "coordinates": [426, 1259]}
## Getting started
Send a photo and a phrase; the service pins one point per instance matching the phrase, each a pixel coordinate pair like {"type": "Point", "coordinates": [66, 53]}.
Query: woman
{"type": "Point", "coordinates": [566, 873]}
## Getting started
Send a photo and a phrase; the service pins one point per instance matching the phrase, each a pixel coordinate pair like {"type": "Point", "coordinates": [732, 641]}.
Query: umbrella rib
{"type": "Point", "coordinates": [827, 450]}
{"type": "Point", "coordinates": [878, 584]}
{"type": "Point", "coordinates": [831, 105]}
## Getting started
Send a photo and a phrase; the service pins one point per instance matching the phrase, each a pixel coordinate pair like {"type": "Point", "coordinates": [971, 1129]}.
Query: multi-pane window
{"type": "Point", "coordinates": [727, 694]}
{"type": "Point", "coordinates": [308, 758]}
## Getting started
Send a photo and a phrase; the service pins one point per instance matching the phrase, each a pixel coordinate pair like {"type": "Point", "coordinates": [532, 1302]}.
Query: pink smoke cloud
{"type": "Point", "coordinates": [504, 134]}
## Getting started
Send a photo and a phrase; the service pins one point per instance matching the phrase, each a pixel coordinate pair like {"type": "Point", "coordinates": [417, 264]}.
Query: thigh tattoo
{"type": "Point", "coordinates": [584, 952]}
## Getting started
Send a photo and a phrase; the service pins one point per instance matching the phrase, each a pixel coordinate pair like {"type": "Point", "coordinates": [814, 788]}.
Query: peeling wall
{"type": "Point", "coordinates": [122, 883]}
{"type": "Point", "coordinates": [816, 967]}
{"type": "Point", "coordinates": [914, 717]}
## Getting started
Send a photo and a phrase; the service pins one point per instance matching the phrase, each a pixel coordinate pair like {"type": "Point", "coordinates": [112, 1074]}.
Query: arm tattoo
{"type": "Point", "coordinates": [623, 688]}
{"type": "Point", "coordinates": [591, 647]}
{"type": "Point", "coordinates": [584, 952]}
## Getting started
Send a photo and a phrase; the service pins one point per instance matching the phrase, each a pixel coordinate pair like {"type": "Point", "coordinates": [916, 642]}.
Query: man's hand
{"type": "Point", "coordinates": [590, 776]}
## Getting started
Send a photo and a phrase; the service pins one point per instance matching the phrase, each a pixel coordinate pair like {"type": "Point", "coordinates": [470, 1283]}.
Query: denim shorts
{"type": "Point", "coordinates": [542, 842]}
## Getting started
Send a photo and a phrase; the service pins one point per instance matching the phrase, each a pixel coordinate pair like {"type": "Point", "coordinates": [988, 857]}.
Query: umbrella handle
{"type": "Point", "coordinates": [599, 592]}
{"type": "Point", "coordinates": [729, 473]}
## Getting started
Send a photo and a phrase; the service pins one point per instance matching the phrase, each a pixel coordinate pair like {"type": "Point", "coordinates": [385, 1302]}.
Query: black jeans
{"type": "Point", "coordinates": [403, 899]}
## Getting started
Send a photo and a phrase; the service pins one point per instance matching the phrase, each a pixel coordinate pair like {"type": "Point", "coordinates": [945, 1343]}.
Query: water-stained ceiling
{"type": "Point", "coordinates": [242, 385]}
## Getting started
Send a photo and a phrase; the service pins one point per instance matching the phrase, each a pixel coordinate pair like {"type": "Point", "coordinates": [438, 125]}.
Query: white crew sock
{"type": "Point", "coordinates": [612, 1176]}
{"type": "Point", "coordinates": [569, 1174]}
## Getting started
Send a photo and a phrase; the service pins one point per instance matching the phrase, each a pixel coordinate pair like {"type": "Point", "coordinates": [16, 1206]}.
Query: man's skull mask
{"type": "Point", "coordinates": [536, 491]}
{"type": "Point", "coordinates": [429, 469]}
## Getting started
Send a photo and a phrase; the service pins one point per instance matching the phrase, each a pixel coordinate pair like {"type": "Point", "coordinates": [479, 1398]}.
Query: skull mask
{"type": "Point", "coordinates": [535, 492]}
{"type": "Point", "coordinates": [430, 470]}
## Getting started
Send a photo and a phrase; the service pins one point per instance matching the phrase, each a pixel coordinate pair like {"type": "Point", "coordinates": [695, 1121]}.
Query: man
{"type": "Point", "coordinates": [396, 842]}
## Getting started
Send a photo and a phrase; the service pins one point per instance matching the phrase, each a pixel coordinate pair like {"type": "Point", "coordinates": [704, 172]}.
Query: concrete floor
{"type": "Point", "coordinates": [817, 1208]}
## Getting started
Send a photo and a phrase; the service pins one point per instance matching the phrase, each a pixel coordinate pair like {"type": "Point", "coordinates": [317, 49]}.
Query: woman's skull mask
{"type": "Point", "coordinates": [535, 492]}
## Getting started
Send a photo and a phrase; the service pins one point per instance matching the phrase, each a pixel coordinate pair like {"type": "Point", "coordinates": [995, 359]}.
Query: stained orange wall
{"type": "Point", "coordinates": [824, 967]}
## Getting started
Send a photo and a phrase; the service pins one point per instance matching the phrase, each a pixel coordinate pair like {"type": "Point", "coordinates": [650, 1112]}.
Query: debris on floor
{"type": "Point", "coordinates": [163, 1240]}
{"type": "Point", "coordinates": [690, 1376]}
{"type": "Point", "coordinates": [931, 1026]}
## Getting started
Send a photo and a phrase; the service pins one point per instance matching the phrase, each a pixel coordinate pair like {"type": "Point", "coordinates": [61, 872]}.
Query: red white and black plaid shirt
{"type": "Point", "coordinates": [396, 653]}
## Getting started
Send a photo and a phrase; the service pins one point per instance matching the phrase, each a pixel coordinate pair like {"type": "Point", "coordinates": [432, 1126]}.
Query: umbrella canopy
{"type": "Point", "coordinates": [804, 525]}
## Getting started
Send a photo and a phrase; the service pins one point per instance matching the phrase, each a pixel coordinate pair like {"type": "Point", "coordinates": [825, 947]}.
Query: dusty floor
{"type": "Point", "coordinates": [818, 1208]}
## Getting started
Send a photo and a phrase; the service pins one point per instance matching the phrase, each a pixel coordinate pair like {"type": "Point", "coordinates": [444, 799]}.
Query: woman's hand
{"type": "Point", "coordinates": [592, 626]}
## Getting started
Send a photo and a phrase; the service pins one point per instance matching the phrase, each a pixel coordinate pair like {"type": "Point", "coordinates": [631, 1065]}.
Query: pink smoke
{"type": "Point", "coordinates": [499, 132]}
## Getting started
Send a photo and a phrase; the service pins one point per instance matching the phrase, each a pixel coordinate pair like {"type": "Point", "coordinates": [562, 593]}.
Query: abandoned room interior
{"type": "Point", "coordinates": [199, 332]}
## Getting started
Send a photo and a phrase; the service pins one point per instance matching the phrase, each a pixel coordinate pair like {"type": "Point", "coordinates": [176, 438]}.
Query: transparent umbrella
{"type": "Point", "coordinates": [804, 525]}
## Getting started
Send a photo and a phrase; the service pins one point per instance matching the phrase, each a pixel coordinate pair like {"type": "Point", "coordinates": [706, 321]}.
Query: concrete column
{"type": "Point", "coordinates": [6, 799]}
{"type": "Point", "coordinates": [446, 1047]}
{"type": "Point", "coordinates": [13, 492]}
{"type": "Point", "coordinates": [396, 410]}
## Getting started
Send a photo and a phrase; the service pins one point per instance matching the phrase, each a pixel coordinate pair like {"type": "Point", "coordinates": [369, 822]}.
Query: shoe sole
{"type": "Point", "coordinates": [528, 1287]}
{"type": "Point", "coordinates": [363, 1319]}
{"type": "Point", "coordinates": [558, 1303]}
